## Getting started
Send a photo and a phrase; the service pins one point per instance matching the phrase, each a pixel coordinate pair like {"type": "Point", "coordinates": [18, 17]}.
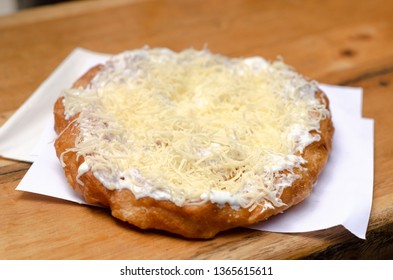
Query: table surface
{"type": "Point", "coordinates": [336, 42]}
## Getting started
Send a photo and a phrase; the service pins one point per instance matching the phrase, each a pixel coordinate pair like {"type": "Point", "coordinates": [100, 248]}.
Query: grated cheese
{"type": "Point", "coordinates": [193, 126]}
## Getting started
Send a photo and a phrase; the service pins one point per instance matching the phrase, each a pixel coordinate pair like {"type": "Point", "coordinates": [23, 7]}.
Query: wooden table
{"type": "Point", "coordinates": [337, 42]}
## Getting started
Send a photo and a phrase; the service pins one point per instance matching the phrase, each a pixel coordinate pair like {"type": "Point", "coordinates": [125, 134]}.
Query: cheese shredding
{"type": "Point", "coordinates": [194, 126]}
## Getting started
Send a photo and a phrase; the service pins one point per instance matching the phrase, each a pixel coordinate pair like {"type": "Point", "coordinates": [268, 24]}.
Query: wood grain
{"type": "Point", "coordinates": [337, 42]}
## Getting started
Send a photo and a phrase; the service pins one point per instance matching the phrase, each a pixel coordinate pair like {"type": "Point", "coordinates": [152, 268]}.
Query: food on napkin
{"type": "Point", "coordinates": [193, 142]}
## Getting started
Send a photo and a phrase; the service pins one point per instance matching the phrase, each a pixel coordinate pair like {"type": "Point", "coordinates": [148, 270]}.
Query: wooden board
{"type": "Point", "coordinates": [337, 42]}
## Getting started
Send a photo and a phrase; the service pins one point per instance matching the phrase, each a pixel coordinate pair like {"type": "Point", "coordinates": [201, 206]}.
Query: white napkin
{"type": "Point", "coordinates": [342, 196]}
{"type": "Point", "coordinates": [20, 135]}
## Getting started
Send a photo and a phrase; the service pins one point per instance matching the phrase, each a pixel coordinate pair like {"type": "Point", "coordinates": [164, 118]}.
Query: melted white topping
{"type": "Point", "coordinates": [193, 126]}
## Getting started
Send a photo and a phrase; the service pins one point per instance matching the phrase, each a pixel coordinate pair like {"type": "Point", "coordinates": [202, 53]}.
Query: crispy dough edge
{"type": "Point", "coordinates": [191, 221]}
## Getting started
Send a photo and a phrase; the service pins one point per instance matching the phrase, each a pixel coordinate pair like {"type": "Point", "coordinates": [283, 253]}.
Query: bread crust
{"type": "Point", "coordinates": [192, 221]}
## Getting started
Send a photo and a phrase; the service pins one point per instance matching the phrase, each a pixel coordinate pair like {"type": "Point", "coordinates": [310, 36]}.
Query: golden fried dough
{"type": "Point", "coordinates": [202, 220]}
